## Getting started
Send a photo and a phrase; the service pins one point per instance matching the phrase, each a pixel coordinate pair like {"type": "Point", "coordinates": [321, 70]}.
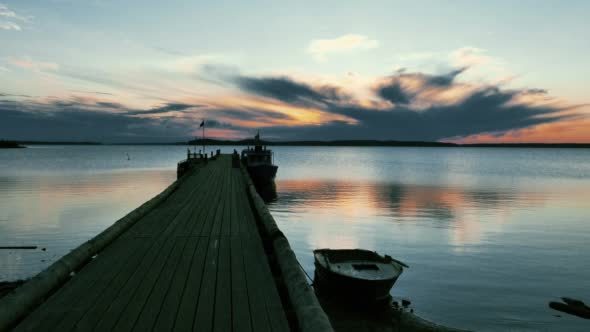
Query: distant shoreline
{"type": "Point", "coordinates": [371, 143]}
{"type": "Point", "coordinates": [10, 145]}
{"type": "Point", "coordinates": [336, 143]}
{"type": "Point", "coordinates": [58, 143]}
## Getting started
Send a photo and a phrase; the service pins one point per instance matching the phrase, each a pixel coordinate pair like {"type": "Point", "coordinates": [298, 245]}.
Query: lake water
{"type": "Point", "coordinates": [491, 235]}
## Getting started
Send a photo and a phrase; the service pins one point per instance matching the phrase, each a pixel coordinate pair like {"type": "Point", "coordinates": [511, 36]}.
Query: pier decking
{"type": "Point", "coordinates": [194, 262]}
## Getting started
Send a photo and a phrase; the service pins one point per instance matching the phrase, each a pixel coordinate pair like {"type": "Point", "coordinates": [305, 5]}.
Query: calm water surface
{"type": "Point", "coordinates": [491, 235]}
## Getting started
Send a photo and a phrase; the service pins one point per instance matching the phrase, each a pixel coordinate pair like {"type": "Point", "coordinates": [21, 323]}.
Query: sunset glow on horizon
{"type": "Point", "coordinates": [470, 72]}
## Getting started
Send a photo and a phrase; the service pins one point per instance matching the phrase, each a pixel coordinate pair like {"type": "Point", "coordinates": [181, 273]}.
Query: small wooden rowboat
{"type": "Point", "coordinates": [358, 274]}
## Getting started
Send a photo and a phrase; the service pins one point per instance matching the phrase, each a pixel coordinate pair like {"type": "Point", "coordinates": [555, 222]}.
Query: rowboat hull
{"type": "Point", "coordinates": [356, 289]}
{"type": "Point", "coordinates": [335, 277]}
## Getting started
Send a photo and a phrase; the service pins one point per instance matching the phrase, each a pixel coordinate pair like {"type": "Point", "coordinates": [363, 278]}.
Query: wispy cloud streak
{"type": "Point", "coordinates": [8, 19]}
{"type": "Point", "coordinates": [320, 49]}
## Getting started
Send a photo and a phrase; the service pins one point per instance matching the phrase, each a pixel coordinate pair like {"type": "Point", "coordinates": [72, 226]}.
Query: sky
{"type": "Point", "coordinates": [151, 71]}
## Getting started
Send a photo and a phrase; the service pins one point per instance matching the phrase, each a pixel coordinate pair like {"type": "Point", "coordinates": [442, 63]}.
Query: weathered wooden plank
{"type": "Point", "coordinates": [145, 275]}
{"type": "Point", "coordinates": [188, 305]}
{"type": "Point", "coordinates": [170, 305]}
{"type": "Point", "coordinates": [223, 306]}
{"type": "Point", "coordinates": [226, 224]}
{"type": "Point", "coordinates": [68, 300]}
{"type": "Point", "coordinates": [183, 321]}
{"type": "Point", "coordinates": [185, 193]}
{"type": "Point", "coordinates": [216, 229]}
{"type": "Point", "coordinates": [150, 309]}
{"type": "Point", "coordinates": [194, 263]}
{"type": "Point", "coordinates": [204, 314]}
{"type": "Point", "coordinates": [234, 222]}
{"type": "Point", "coordinates": [264, 277]}
{"type": "Point", "coordinates": [258, 315]}
{"type": "Point", "coordinates": [217, 192]}
{"type": "Point", "coordinates": [202, 203]}
{"type": "Point", "coordinates": [122, 314]}
{"type": "Point", "coordinates": [274, 306]}
{"type": "Point", "coordinates": [97, 291]}
{"type": "Point", "coordinates": [111, 292]}
{"type": "Point", "coordinates": [148, 282]}
{"type": "Point", "coordinates": [239, 291]}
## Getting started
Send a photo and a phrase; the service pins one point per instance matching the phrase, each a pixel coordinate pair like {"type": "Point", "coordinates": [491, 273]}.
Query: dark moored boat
{"type": "Point", "coordinates": [357, 274]}
{"type": "Point", "coordinates": [258, 162]}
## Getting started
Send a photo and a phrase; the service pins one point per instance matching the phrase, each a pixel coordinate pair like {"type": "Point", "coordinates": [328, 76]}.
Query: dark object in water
{"type": "Point", "coordinates": [267, 191]}
{"type": "Point", "coordinates": [10, 145]}
{"type": "Point", "coordinates": [357, 274]}
{"type": "Point", "coordinates": [572, 307]}
{"type": "Point", "coordinates": [19, 247]}
{"type": "Point", "coordinates": [259, 163]}
{"type": "Point", "coordinates": [382, 316]}
{"type": "Point", "coordinates": [7, 286]}
{"type": "Point", "coordinates": [406, 303]}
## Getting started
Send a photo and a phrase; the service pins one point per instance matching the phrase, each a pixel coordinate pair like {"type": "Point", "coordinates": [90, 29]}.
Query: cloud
{"type": "Point", "coordinates": [394, 93]}
{"type": "Point", "coordinates": [248, 114]}
{"type": "Point", "coordinates": [470, 56]}
{"type": "Point", "coordinates": [191, 64]}
{"type": "Point", "coordinates": [14, 95]}
{"type": "Point", "coordinates": [422, 107]}
{"type": "Point", "coordinates": [168, 51]}
{"type": "Point", "coordinates": [8, 18]}
{"type": "Point", "coordinates": [219, 124]}
{"type": "Point", "coordinates": [570, 130]}
{"type": "Point", "coordinates": [27, 62]}
{"type": "Point", "coordinates": [106, 121]}
{"type": "Point", "coordinates": [482, 66]}
{"type": "Point", "coordinates": [287, 90]}
{"type": "Point", "coordinates": [93, 92]}
{"type": "Point", "coordinates": [7, 13]}
{"type": "Point", "coordinates": [321, 48]}
{"type": "Point", "coordinates": [402, 106]}
{"type": "Point", "coordinates": [9, 26]}
{"type": "Point", "coordinates": [75, 120]}
{"type": "Point", "coordinates": [403, 88]}
{"type": "Point", "coordinates": [167, 108]}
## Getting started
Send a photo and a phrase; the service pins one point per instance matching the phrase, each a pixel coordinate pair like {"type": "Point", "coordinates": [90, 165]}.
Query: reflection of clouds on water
{"type": "Point", "coordinates": [514, 246]}
{"type": "Point", "coordinates": [329, 237]}
{"type": "Point", "coordinates": [49, 197]}
{"type": "Point", "coordinates": [59, 212]}
{"type": "Point", "coordinates": [465, 215]}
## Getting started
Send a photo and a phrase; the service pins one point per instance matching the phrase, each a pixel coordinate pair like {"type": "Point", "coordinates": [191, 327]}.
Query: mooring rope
{"type": "Point", "coordinates": [307, 275]}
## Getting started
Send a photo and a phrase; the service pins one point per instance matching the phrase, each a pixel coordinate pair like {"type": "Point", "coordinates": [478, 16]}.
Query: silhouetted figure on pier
{"type": "Point", "coordinates": [235, 159]}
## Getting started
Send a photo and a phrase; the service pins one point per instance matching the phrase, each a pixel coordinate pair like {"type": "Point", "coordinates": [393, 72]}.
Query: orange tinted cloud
{"type": "Point", "coordinates": [566, 131]}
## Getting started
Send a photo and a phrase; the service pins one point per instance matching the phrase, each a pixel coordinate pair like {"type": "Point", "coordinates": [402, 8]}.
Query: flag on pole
{"type": "Point", "coordinates": [202, 124]}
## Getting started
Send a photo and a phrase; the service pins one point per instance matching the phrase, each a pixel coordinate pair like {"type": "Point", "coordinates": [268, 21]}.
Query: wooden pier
{"type": "Point", "coordinates": [205, 255]}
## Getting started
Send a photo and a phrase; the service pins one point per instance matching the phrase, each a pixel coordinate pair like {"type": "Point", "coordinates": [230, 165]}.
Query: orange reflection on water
{"type": "Point", "coordinates": [49, 197]}
{"type": "Point", "coordinates": [464, 215]}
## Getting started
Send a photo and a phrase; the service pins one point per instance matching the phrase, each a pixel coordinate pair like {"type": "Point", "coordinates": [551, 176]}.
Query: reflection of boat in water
{"type": "Point", "coordinates": [356, 274]}
{"type": "Point", "coordinates": [267, 191]}
{"type": "Point", "coordinates": [259, 163]}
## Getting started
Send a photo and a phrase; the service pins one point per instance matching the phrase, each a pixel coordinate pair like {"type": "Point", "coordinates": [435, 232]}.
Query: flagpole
{"type": "Point", "coordinates": [203, 136]}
